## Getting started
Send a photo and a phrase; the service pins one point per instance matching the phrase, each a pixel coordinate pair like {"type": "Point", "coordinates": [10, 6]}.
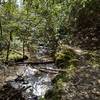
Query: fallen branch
{"type": "Point", "coordinates": [28, 63]}
{"type": "Point", "coordinates": [43, 69]}
{"type": "Point", "coordinates": [49, 70]}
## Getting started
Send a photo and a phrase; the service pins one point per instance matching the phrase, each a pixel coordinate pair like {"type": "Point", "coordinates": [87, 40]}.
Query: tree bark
{"type": "Point", "coordinates": [8, 51]}
{"type": "Point", "coordinates": [1, 27]}
{"type": "Point", "coordinates": [23, 48]}
{"type": "Point", "coordinates": [8, 46]}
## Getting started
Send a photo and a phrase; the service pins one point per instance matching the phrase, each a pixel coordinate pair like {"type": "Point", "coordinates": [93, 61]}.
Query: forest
{"type": "Point", "coordinates": [49, 49]}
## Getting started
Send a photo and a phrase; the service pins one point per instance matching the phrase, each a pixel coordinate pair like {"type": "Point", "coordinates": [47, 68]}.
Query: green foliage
{"type": "Point", "coordinates": [49, 22]}
{"type": "Point", "coordinates": [14, 56]}
{"type": "Point", "coordinates": [65, 58]}
{"type": "Point", "coordinates": [86, 31]}
{"type": "Point", "coordinates": [92, 58]}
{"type": "Point", "coordinates": [41, 98]}
{"type": "Point", "coordinates": [54, 94]}
{"type": "Point", "coordinates": [59, 84]}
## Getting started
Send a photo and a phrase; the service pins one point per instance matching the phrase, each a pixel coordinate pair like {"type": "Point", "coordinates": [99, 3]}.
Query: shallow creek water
{"type": "Point", "coordinates": [39, 82]}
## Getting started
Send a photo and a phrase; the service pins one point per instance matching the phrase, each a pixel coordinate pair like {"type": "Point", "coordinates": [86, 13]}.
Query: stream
{"type": "Point", "coordinates": [25, 76]}
{"type": "Point", "coordinates": [39, 82]}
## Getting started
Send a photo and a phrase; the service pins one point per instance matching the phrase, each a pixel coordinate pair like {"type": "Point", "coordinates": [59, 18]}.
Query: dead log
{"type": "Point", "coordinates": [28, 63]}
{"type": "Point", "coordinates": [49, 70]}
{"type": "Point", "coordinates": [36, 63]}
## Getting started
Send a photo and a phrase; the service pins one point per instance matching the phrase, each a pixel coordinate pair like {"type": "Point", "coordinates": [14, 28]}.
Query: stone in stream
{"type": "Point", "coordinates": [7, 92]}
{"type": "Point", "coordinates": [39, 82]}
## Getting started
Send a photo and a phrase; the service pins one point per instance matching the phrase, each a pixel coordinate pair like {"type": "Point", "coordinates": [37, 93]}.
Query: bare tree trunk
{"type": "Point", "coordinates": [0, 27]}
{"type": "Point", "coordinates": [23, 48]}
{"type": "Point", "coordinates": [0, 23]}
{"type": "Point", "coordinates": [8, 51]}
{"type": "Point", "coordinates": [8, 46]}
{"type": "Point", "coordinates": [31, 52]}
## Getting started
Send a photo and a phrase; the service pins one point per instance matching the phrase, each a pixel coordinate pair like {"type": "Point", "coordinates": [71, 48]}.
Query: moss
{"type": "Point", "coordinates": [62, 76]}
{"type": "Point", "coordinates": [41, 98]}
{"type": "Point", "coordinates": [92, 58]}
{"type": "Point", "coordinates": [59, 83]}
{"type": "Point", "coordinates": [54, 94]}
{"type": "Point", "coordinates": [65, 58]}
{"type": "Point", "coordinates": [12, 56]}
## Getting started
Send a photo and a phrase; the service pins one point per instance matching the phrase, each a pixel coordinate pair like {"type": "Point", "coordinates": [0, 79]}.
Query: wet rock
{"type": "Point", "coordinates": [7, 92]}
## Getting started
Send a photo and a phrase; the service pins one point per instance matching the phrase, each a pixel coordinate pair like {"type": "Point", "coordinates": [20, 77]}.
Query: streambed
{"type": "Point", "coordinates": [39, 82]}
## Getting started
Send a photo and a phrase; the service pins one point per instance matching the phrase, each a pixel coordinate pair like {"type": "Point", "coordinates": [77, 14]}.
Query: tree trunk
{"type": "Point", "coordinates": [8, 46]}
{"type": "Point", "coordinates": [23, 48]}
{"type": "Point", "coordinates": [0, 27]}
{"type": "Point", "coordinates": [8, 51]}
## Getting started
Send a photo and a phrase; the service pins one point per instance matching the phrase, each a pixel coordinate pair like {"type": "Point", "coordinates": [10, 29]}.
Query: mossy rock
{"type": "Point", "coordinates": [14, 56]}
{"type": "Point", "coordinates": [17, 57]}
{"type": "Point", "coordinates": [65, 58]}
{"type": "Point", "coordinates": [62, 76]}
{"type": "Point", "coordinates": [54, 94]}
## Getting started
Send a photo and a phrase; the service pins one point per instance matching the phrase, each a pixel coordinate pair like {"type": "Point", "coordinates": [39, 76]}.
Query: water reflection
{"type": "Point", "coordinates": [39, 82]}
